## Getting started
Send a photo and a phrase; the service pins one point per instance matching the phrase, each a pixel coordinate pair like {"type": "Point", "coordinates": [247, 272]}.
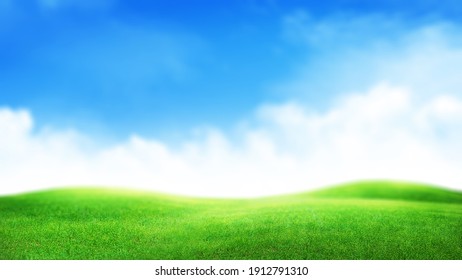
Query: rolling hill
{"type": "Point", "coordinates": [365, 220]}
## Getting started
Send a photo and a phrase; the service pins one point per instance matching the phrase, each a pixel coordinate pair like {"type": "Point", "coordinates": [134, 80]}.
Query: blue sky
{"type": "Point", "coordinates": [216, 93]}
{"type": "Point", "coordinates": [156, 67]}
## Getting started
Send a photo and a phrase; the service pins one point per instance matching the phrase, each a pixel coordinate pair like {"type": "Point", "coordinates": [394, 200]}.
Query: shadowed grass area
{"type": "Point", "coordinates": [368, 220]}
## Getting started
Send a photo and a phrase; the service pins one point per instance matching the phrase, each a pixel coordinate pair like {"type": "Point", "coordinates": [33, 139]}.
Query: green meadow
{"type": "Point", "coordinates": [367, 220]}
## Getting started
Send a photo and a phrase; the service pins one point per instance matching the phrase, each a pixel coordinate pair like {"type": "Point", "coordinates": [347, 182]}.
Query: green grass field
{"type": "Point", "coordinates": [368, 220]}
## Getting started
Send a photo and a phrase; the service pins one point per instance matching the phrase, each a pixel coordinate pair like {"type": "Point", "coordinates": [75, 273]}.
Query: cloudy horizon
{"type": "Point", "coordinates": [248, 99]}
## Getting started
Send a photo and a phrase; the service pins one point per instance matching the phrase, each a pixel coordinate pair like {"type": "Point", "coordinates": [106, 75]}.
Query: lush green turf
{"type": "Point", "coordinates": [370, 220]}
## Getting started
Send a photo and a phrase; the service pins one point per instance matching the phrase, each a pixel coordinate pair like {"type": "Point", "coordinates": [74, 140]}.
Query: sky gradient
{"type": "Point", "coordinates": [235, 98]}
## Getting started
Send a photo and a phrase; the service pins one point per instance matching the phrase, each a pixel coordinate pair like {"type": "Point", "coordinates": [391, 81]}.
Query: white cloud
{"type": "Point", "coordinates": [360, 52]}
{"type": "Point", "coordinates": [411, 133]}
{"type": "Point", "coordinates": [383, 133]}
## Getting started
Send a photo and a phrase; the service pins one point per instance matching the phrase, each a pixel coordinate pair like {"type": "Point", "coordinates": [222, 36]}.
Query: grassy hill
{"type": "Point", "coordinates": [368, 220]}
{"type": "Point", "coordinates": [390, 190]}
